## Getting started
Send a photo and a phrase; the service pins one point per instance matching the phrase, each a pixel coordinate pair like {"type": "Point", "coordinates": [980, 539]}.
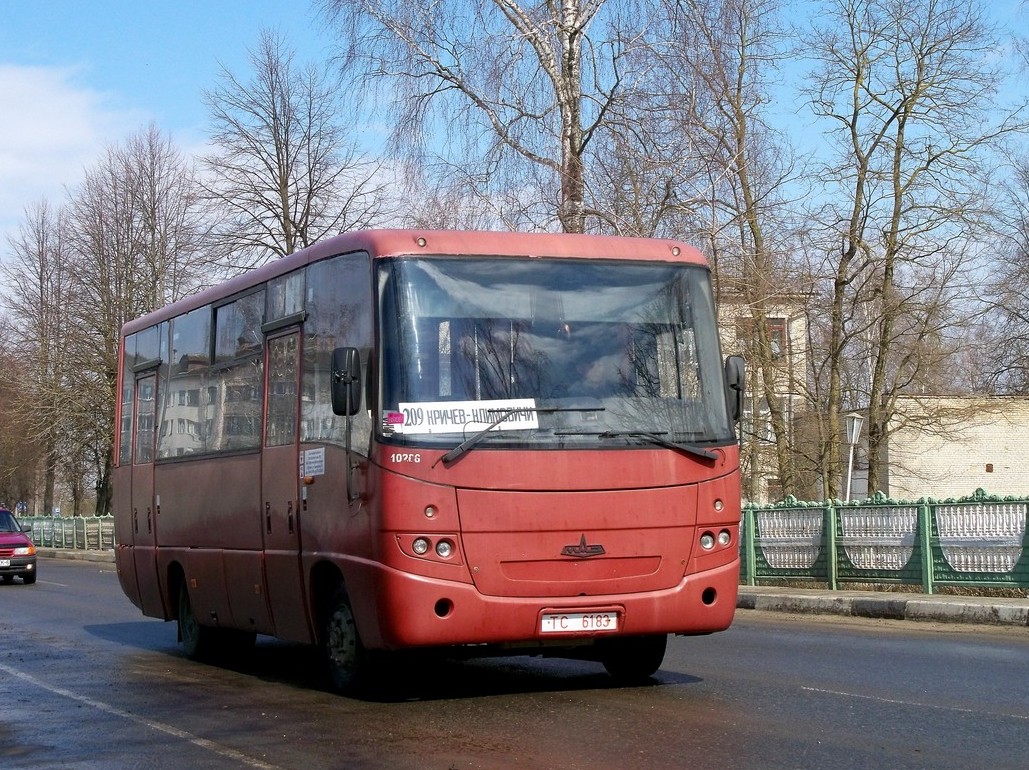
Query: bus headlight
{"type": "Point", "coordinates": [707, 541]}
{"type": "Point", "coordinates": [724, 538]}
{"type": "Point", "coordinates": [444, 549]}
{"type": "Point", "coordinates": [420, 546]}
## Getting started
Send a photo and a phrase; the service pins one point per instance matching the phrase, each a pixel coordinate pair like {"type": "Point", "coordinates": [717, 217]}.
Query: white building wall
{"type": "Point", "coordinates": [949, 447]}
{"type": "Point", "coordinates": [790, 372]}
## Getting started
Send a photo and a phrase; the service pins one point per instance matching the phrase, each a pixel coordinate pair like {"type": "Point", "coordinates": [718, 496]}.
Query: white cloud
{"type": "Point", "coordinates": [52, 130]}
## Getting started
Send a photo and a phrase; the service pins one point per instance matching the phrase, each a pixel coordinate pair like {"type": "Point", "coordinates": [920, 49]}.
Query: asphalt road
{"type": "Point", "coordinates": [87, 682]}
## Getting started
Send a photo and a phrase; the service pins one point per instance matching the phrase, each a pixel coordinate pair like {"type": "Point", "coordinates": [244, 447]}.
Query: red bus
{"type": "Point", "coordinates": [486, 443]}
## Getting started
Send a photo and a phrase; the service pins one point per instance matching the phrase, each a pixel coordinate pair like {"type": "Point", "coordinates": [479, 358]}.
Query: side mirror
{"type": "Point", "coordinates": [735, 377]}
{"type": "Point", "coordinates": [346, 381]}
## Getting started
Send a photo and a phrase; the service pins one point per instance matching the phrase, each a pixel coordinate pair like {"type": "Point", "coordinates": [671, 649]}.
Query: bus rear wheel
{"type": "Point", "coordinates": [197, 641]}
{"type": "Point", "coordinates": [208, 643]}
{"type": "Point", "coordinates": [345, 657]}
{"type": "Point", "coordinates": [633, 658]}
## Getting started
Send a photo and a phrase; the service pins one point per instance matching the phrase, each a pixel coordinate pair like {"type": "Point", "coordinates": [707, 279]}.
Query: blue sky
{"type": "Point", "coordinates": [79, 75]}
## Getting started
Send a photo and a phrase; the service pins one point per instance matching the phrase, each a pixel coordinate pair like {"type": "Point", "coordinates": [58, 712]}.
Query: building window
{"type": "Point", "coordinates": [778, 339]}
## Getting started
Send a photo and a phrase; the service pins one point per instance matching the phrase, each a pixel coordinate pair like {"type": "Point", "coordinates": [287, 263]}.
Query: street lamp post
{"type": "Point", "coordinates": [854, 421]}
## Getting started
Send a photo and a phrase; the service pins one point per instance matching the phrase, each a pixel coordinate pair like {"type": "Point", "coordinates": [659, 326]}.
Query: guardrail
{"type": "Point", "coordinates": [979, 540]}
{"type": "Point", "coordinates": [80, 532]}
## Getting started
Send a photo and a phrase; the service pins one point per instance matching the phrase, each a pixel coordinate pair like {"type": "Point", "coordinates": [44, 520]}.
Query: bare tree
{"type": "Point", "coordinates": [1006, 336]}
{"type": "Point", "coordinates": [19, 455]}
{"type": "Point", "coordinates": [452, 202]}
{"type": "Point", "coordinates": [519, 92]}
{"type": "Point", "coordinates": [128, 241]}
{"type": "Point", "coordinates": [286, 170]}
{"type": "Point", "coordinates": [172, 224]}
{"type": "Point", "coordinates": [718, 72]}
{"type": "Point", "coordinates": [136, 223]}
{"type": "Point", "coordinates": [906, 87]}
{"type": "Point", "coordinates": [38, 285]}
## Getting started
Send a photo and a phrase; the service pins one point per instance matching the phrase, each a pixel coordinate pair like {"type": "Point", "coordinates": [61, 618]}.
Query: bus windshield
{"type": "Point", "coordinates": [548, 353]}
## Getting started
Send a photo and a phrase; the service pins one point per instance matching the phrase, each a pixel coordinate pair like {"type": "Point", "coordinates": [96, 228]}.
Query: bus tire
{"type": "Point", "coordinates": [634, 658]}
{"type": "Point", "coordinates": [198, 642]}
{"type": "Point", "coordinates": [345, 657]}
{"type": "Point", "coordinates": [208, 643]}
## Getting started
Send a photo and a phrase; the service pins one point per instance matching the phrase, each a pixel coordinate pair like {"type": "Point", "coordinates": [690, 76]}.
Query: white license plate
{"type": "Point", "coordinates": [578, 622]}
{"type": "Point", "coordinates": [5, 562]}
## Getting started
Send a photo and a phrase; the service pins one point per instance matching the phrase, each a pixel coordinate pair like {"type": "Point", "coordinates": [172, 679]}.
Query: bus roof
{"type": "Point", "coordinates": [393, 243]}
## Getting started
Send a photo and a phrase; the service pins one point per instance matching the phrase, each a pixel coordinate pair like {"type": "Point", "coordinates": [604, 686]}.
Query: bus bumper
{"type": "Point", "coordinates": [415, 611]}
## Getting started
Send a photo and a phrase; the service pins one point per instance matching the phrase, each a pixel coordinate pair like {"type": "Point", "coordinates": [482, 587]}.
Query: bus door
{"type": "Point", "coordinates": [144, 506]}
{"type": "Point", "coordinates": [280, 480]}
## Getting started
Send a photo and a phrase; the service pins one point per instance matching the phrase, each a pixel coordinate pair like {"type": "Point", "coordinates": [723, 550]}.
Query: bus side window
{"type": "Point", "coordinates": [235, 383]}
{"type": "Point", "coordinates": [183, 380]}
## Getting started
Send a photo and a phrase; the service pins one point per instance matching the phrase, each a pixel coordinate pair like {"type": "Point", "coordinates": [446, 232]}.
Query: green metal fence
{"type": "Point", "coordinates": [979, 540]}
{"type": "Point", "coordinates": [80, 532]}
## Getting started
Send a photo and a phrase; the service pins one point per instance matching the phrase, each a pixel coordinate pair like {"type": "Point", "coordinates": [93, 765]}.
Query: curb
{"type": "Point", "coordinates": [987, 610]}
{"type": "Point", "coordinates": [105, 557]}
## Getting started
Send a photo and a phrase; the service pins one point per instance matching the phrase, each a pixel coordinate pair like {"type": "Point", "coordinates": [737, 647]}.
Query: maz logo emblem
{"type": "Point", "coordinates": [582, 550]}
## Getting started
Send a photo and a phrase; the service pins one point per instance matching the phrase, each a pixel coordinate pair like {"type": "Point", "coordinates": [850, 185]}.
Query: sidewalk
{"type": "Point", "coordinates": [987, 610]}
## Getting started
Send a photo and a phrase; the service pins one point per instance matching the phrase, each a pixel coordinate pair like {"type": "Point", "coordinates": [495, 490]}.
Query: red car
{"type": "Point", "coordinates": [17, 554]}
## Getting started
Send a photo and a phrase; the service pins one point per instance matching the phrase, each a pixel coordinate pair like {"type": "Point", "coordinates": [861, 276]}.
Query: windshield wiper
{"type": "Point", "coordinates": [451, 456]}
{"type": "Point", "coordinates": [656, 438]}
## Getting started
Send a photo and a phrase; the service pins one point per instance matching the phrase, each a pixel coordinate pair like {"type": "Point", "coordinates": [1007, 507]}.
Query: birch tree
{"type": "Point", "coordinates": [517, 91]}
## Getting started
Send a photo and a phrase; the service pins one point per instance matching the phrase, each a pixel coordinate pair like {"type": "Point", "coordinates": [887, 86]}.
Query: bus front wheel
{"type": "Point", "coordinates": [345, 656]}
{"type": "Point", "coordinates": [633, 658]}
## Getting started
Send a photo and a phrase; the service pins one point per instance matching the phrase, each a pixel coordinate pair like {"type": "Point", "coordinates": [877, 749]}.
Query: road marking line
{"type": "Point", "coordinates": [896, 702]}
{"type": "Point", "coordinates": [225, 751]}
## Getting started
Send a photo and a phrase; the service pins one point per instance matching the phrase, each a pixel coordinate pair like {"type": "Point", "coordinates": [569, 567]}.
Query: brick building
{"type": "Point", "coordinates": [949, 446]}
